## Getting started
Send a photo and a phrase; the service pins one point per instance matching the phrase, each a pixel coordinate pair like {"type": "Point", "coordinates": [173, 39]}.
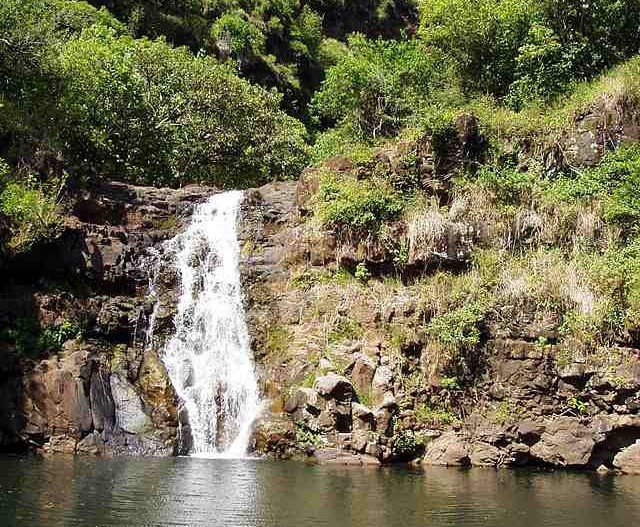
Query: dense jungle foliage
{"type": "Point", "coordinates": [236, 93]}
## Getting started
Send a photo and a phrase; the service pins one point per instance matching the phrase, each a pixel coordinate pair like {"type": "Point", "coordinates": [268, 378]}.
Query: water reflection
{"type": "Point", "coordinates": [236, 493]}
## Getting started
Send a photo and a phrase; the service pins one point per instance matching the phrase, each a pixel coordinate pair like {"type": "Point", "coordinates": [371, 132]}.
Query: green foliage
{"type": "Point", "coordinates": [238, 35]}
{"type": "Point", "coordinates": [458, 330]}
{"type": "Point", "coordinates": [365, 397]}
{"type": "Point", "coordinates": [615, 275]}
{"type": "Point", "coordinates": [509, 187]}
{"type": "Point", "coordinates": [151, 113]}
{"type": "Point", "coordinates": [309, 380]}
{"type": "Point", "coordinates": [308, 278]}
{"type": "Point", "coordinates": [503, 413]}
{"type": "Point", "coordinates": [578, 405]}
{"type": "Point", "coordinates": [436, 414]}
{"type": "Point", "coordinates": [614, 181]}
{"type": "Point", "coordinates": [362, 273]}
{"type": "Point", "coordinates": [31, 340]}
{"type": "Point", "coordinates": [352, 205]}
{"type": "Point", "coordinates": [276, 43]}
{"type": "Point", "coordinates": [481, 37]}
{"type": "Point", "coordinates": [307, 436]}
{"type": "Point", "coordinates": [341, 141]}
{"type": "Point", "coordinates": [450, 383]}
{"type": "Point", "coordinates": [277, 339]}
{"type": "Point", "coordinates": [543, 70]}
{"type": "Point", "coordinates": [530, 50]}
{"type": "Point", "coordinates": [134, 109]}
{"type": "Point", "coordinates": [375, 84]}
{"type": "Point", "coordinates": [345, 328]}
{"type": "Point", "coordinates": [407, 445]}
{"type": "Point", "coordinates": [32, 208]}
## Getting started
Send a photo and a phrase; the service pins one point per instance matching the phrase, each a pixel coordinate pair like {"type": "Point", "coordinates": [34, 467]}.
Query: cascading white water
{"type": "Point", "coordinates": [208, 358]}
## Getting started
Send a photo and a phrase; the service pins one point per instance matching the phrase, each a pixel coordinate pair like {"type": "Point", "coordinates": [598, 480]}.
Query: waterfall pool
{"type": "Point", "coordinates": [187, 491]}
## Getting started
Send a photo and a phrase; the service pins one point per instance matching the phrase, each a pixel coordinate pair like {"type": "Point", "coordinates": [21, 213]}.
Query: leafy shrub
{"type": "Point", "coordinates": [277, 339]}
{"type": "Point", "coordinates": [531, 50]}
{"type": "Point", "coordinates": [578, 405]}
{"type": "Point", "coordinates": [362, 273]}
{"type": "Point", "coordinates": [235, 34]}
{"type": "Point", "coordinates": [352, 205]}
{"type": "Point", "coordinates": [615, 275]}
{"type": "Point", "coordinates": [31, 340]}
{"type": "Point", "coordinates": [450, 383]}
{"type": "Point", "coordinates": [151, 113]}
{"type": "Point", "coordinates": [345, 328]}
{"type": "Point", "coordinates": [614, 181]}
{"type": "Point", "coordinates": [435, 415]}
{"type": "Point", "coordinates": [481, 37]}
{"type": "Point", "coordinates": [508, 186]}
{"type": "Point", "coordinates": [543, 69]}
{"type": "Point", "coordinates": [458, 329]}
{"type": "Point", "coordinates": [33, 210]}
{"type": "Point", "coordinates": [406, 445]}
{"type": "Point", "coordinates": [376, 84]}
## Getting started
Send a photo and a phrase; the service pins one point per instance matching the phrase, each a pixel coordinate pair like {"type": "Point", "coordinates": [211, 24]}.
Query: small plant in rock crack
{"type": "Point", "coordinates": [307, 436]}
{"type": "Point", "coordinates": [362, 273]}
{"type": "Point", "coordinates": [450, 383]}
{"type": "Point", "coordinates": [578, 406]}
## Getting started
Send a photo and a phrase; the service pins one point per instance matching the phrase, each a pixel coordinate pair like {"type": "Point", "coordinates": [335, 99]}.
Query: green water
{"type": "Point", "coordinates": [202, 492]}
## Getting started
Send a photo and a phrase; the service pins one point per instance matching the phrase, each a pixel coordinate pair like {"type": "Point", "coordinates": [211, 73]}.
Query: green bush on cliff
{"type": "Point", "coordinates": [614, 182]}
{"type": "Point", "coordinates": [32, 208]}
{"type": "Point", "coordinates": [31, 339]}
{"type": "Point", "coordinates": [458, 329]}
{"type": "Point", "coordinates": [77, 88]}
{"type": "Point", "coordinates": [351, 205]}
{"type": "Point", "coordinates": [615, 275]}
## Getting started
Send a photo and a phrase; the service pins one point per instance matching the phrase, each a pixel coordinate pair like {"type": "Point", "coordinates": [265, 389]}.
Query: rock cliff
{"type": "Point", "coordinates": [346, 373]}
{"type": "Point", "coordinates": [77, 373]}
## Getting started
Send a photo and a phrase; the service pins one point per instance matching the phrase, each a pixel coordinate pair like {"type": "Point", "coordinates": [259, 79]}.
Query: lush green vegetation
{"type": "Point", "coordinates": [236, 93]}
{"type": "Point", "coordinates": [31, 340]}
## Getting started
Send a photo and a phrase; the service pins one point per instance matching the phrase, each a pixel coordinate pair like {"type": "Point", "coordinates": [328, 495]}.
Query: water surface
{"type": "Point", "coordinates": [67, 492]}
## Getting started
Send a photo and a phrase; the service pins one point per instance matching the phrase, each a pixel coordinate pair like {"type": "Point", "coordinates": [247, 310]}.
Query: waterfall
{"type": "Point", "coordinates": [208, 357]}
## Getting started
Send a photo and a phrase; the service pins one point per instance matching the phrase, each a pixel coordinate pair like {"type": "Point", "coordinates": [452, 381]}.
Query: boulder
{"type": "Point", "coordinates": [335, 456]}
{"type": "Point", "coordinates": [384, 421]}
{"type": "Point", "coordinates": [102, 407]}
{"type": "Point", "coordinates": [485, 455]}
{"type": "Point", "coordinates": [90, 445]}
{"type": "Point", "coordinates": [450, 449]}
{"type": "Point", "coordinates": [382, 381]}
{"type": "Point", "coordinates": [359, 440]}
{"type": "Point", "coordinates": [301, 398]}
{"type": "Point", "coordinates": [334, 386]}
{"type": "Point", "coordinates": [363, 417]}
{"type": "Point", "coordinates": [628, 459]}
{"type": "Point", "coordinates": [530, 431]}
{"type": "Point", "coordinates": [565, 443]}
{"type": "Point", "coordinates": [129, 410]}
{"type": "Point", "coordinates": [60, 445]}
{"type": "Point", "coordinates": [362, 373]}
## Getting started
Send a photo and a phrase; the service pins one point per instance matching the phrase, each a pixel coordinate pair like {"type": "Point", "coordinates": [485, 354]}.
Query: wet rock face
{"type": "Point", "coordinates": [107, 392]}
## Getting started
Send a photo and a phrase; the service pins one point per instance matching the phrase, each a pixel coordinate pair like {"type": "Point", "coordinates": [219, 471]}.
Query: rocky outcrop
{"type": "Point", "coordinates": [340, 386]}
{"type": "Point", "coordinates": [105, 392]}
{"type": "Point", "coordinates": [628, 459]}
